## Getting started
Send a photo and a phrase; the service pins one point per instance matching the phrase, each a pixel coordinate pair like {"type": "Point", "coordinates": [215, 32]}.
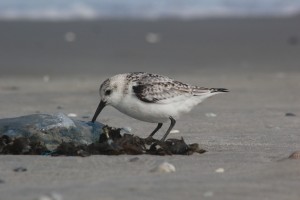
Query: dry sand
{"type": "Point", "coordinates": [250, 136]}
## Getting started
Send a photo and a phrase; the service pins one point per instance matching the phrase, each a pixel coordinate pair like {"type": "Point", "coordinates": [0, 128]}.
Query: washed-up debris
{"type": "Point", "coordinates": [290, 114]}
{"type": "Point", "coordinates": [295, 155]}
{"type": "Point", "coordinates": [59, 107]}
{"type": "Point", "coordinates": [210, 114]}
{"type": "Point", "coordinates": [20, 169]}
{"type": "Point", "coordinates": [110, 143]}
{"type": "Point", "coordinates": [58, 134]}
{"type": "Point", "coordinates": [43, 131]}
{"type": "Point", "coordinates": [72, 115]}
{"type": "Point", "coordinates": [164, 167]}
{"type": "Point", "coordinates": [174, 131]}
{"type": "Point", "coordinates": [220, 170]}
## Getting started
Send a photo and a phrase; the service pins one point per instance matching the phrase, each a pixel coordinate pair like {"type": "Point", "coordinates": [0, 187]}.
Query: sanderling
{"type": "Point", "coordinates": [151, 97]}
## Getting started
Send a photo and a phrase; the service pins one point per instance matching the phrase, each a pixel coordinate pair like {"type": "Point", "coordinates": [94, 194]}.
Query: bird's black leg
{"type": "Point", "coordinates": [173, 122]}
{"type": "Point", "coordinates": [155, 130]}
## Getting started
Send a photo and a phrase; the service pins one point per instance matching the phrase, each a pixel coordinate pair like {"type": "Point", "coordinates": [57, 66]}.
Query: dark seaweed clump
{"type": "Point", "coordinates": [111, 142]}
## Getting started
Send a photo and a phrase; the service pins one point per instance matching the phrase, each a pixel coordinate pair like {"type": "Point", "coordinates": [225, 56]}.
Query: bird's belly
{"type": "Point", "coordinates": [153, 112]}
{"type": "Point", "coordinates": [149, 112]}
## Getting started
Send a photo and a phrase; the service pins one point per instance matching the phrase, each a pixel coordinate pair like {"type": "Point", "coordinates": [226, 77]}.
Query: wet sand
{"type": "Point", "coordinates": [250, 136]}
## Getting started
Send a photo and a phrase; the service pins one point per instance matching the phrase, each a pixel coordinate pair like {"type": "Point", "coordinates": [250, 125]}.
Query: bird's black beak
{"type": "Point", "coordinates": [101, 105]}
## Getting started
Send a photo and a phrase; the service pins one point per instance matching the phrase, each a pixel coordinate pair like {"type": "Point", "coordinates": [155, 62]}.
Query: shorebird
{"type": "Point", "coordinates": [151, 97]}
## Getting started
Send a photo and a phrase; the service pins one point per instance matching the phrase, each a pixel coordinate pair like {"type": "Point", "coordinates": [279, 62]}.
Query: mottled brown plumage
{"type": "Point", "coordinates": [151, 97]}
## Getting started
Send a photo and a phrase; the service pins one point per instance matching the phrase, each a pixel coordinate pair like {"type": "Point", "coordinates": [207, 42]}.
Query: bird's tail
{"type": "Point", "coordinates": [199, 91]}
{"type": "Point", "coordinates": [213, 90]}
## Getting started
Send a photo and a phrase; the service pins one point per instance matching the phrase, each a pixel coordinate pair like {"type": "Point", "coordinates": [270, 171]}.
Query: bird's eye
{"type": "Point", "coordinates": [107, 92]}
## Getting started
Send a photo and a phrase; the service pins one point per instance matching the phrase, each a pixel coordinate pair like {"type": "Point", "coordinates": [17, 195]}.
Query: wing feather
{"type": "Point", "coordinates": [152, 88]}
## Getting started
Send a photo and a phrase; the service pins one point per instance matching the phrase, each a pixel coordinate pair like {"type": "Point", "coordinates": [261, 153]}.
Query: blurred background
{"type": "Point", "coordinates": [90, 37]}
{"type": "Point", "coordinates": [54, 54]}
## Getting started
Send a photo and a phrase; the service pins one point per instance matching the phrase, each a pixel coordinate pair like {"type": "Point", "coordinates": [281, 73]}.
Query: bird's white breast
{"type": "Point", "coordinates": [155, 112]}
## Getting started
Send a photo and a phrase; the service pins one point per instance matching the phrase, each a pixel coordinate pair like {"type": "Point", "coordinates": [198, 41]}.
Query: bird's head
{"type": "Point", "coordinates": [110, 93]}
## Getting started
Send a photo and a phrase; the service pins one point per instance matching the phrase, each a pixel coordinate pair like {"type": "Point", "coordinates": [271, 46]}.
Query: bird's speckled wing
{"type": "Point", "coordinates": [153, 88]}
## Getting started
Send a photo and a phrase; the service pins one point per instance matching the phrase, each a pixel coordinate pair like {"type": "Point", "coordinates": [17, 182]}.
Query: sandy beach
{"type": "Point", "coordinates": [50, 67]}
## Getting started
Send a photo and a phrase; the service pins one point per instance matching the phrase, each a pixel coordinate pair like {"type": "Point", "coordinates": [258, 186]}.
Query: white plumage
{"type": "Point", "coordinates": [151, 97]}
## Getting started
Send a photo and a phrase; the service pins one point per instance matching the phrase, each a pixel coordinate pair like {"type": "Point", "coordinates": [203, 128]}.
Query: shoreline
{"type": "Point", "coordinates": [110, 47]}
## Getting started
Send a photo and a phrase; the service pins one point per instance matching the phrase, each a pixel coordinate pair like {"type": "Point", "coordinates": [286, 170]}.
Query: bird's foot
{"type": "Point", "coordinates": [150, 140]}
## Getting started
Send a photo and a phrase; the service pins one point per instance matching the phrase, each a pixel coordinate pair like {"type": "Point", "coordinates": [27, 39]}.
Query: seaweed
{"type": "Point", "coordinates": [110, 142]}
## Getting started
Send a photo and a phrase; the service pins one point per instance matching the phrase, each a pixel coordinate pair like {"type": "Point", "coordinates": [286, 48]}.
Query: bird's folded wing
{"type": "Point", "coordinates": [164, 92]}
{"type": "Point", "coordinates": [155, 93]}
